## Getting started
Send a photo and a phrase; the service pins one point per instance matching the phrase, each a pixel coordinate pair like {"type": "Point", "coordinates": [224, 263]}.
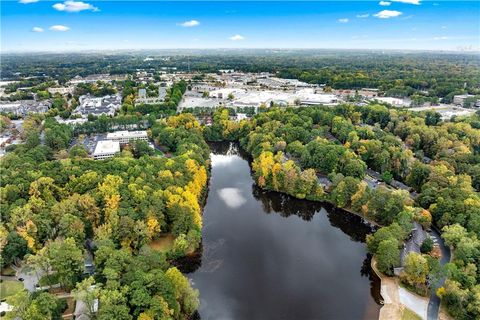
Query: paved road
{"type": "Point", "coordinates": [434, 303]}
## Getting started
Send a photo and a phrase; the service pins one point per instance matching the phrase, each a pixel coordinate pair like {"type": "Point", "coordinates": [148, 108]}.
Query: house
{"type": "Point", "coordinates": [323, 181]}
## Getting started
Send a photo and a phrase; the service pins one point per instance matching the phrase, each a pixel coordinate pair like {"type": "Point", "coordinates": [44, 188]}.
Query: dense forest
{"type": "Point", "coordinates": [55, 201]}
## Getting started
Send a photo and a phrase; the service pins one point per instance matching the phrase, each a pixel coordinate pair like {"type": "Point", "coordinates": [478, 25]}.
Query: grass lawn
{"type": "Point", "coordinates": [408, 314]}
{"type": "Point", "coordinates": [9, 288]}
{"type": "Point", "coordinates": [164, 243]}
{"type": "Point", "coordinates": [8, 271]}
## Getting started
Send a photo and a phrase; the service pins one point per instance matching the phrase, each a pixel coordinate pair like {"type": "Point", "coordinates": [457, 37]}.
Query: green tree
{"type": "Point", "coordinates": [388, 256]}
{"type": "Point", "coordinates": [66, 260]}
{"type": "Point", "coordinates": [427, 245]}
{"type": "Point", "coordinates": [416, 270]}
{"type": "Point", "coordinates": [184, 293]}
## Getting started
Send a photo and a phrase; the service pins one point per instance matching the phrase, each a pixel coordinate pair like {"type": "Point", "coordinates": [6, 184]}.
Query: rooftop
{"type": "Point", "coordinates": [126, 134]}
{"type": "Point", "coordinates": [106, 147]}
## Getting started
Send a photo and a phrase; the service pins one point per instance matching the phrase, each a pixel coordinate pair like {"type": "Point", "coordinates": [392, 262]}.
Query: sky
{"type": "Point", "coordinates": [41, 25]}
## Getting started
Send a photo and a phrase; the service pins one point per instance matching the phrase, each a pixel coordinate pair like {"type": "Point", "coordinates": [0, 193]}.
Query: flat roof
{"type": "Point", "coordinates": [106, 147]}
{"type": "Point", "coordinates": [126, 134]}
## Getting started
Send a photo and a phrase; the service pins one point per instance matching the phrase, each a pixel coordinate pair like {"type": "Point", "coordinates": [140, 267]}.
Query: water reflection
{"type": "Point", "coordinates": [266, 255]}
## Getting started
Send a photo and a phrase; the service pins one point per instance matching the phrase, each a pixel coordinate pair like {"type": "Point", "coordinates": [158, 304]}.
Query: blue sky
{"type": "Point", "coordinates": [32, 25]}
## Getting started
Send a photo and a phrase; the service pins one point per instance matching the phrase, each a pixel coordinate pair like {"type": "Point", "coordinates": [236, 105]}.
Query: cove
{"type": "Point", "coordinates": [266, 255]}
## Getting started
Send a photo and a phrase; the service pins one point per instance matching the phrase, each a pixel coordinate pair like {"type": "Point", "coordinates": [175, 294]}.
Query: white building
{"type": "Point", "coordinates": [97, 77]}
{"type": "Point", "coordinates": [308, 97]}
{"type": "Point", "coordinates": [396, 102]}
{"type": "Point", "coordinates": [142, 93]}
{"type": "Point", "coordinates": [60, 90]}
{"type": "Point", "coordinates": [124, 137]}
{"type": "Point", "coordinates": [106, 149]}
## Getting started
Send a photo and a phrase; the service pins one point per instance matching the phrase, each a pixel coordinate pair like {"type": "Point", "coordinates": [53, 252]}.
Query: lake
{"type": "Point", "coordinates": [266, 255]}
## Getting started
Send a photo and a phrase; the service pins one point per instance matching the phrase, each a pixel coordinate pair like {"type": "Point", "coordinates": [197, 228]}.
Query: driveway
{"type": "Point", "coordinates": [29, 278]}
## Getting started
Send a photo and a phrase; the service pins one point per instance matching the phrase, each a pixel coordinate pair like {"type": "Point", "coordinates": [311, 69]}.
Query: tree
{"type": "Point", "coordinates": [416, 270]}
{"type": "Point", "coordinates": [66, 260]}
{"type": "Point", "coordinates": [87, 292]}
{"type": "Point", "coordinates": [184, 293]}
{"type": "Point", "coordinates": [388, 256]}
{"type": "Point", "coordinates": [427, 245]}
{"type": "Point", "coordinates": [44, 306]}
{"type": "Point", "coordinates": [141, 148]}
{"type": "Point", "coordinates": [41, 306]}
{"type": "Point", "coordinates": [78, 151]}
{"type": "Point", "coordinates": [393, 231]}
{"type": "Point", "coordinates": [113, 305]}
{"type": "Point", "coordinates": [71, 226]}
{"type": "Point", "coordinates": [15, 248]}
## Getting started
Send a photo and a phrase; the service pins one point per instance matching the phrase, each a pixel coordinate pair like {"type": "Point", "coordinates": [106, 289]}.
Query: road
{"type": "Point", "coordinates": [434, 303]}
{"type": "Point", "coordinates": [414, 243]}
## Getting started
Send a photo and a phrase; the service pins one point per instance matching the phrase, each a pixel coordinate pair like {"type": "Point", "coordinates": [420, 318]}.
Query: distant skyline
{"type": "Point", "coordinates": [32, 25]}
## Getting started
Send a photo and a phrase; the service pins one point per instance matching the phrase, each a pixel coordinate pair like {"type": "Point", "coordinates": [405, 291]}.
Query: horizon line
{"type": "Point", "coordinates": [231, 49]}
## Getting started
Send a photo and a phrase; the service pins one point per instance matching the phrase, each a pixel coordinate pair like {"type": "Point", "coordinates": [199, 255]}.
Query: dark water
{"type": "Point", "coordinates": [269, 256]}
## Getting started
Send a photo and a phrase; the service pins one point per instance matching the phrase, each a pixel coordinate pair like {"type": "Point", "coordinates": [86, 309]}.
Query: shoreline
{"type": "Point", "coordinates": [396, 298]}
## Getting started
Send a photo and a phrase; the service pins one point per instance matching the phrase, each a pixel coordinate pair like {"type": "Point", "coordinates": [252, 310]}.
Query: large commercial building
{"type": "Point", "coordinates": [124, 137]}
{"type": "Point", "coordinates": [106, 149]}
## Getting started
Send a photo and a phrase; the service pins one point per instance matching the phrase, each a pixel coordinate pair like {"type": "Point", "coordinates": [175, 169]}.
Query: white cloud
{"type": "Point", "coordinates": [74, 6]}
{"type": "Point", "coordinates": [37, 29]}
{"type": "Point", "coordinates": [190, 23]}
{"type": "Point", "coordinates": [417, 2]}
{"type": "Point", "coordinates": [237, 37]}
{"type": "Point", "coordinates": [444, 27]}
{"type": "Point", "coordinates": [441, 38]}
{"type": "Point", "coordinates": [366, 15]}
{"type": "Point", "coordinates": [385, 3]}
{"type": "Point", "coordinates": [27, 1]}
{"type": "Point", "coordinates": [343, 20]}
{"type": "Point", "coordinates": [232, 197]}
{"type": "Point", "coordinates": [59, 27]}
{"type": "Point", "coordinates": [385, 14]}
